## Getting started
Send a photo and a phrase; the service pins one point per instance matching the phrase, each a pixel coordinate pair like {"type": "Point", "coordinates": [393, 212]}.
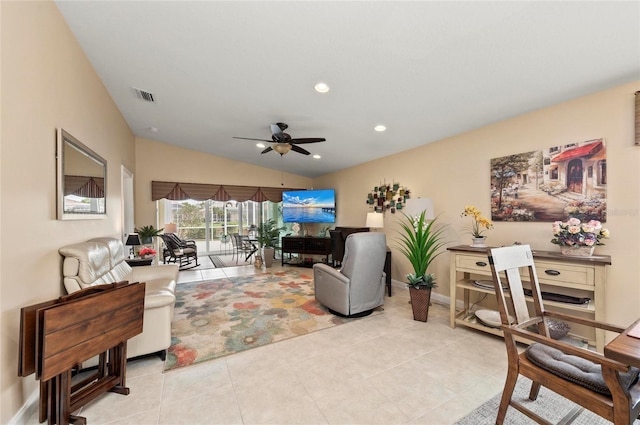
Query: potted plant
{"type": "Point", "coordinates": [478, 225]}
{"type": "Point", "coordinates": [147, 233]}
{"type": "Point", "coordinates": [268, 235]}
{"type": "Point", "coordinates": [421, 243]}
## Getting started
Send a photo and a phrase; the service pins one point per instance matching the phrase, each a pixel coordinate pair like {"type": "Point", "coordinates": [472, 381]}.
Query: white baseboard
{"type": "Point", "coordinates": [435, 296]}
{"type": "Point", "coordinates": [27, 410]}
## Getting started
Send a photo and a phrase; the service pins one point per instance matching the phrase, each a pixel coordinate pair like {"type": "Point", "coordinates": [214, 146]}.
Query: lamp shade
{"type": "Point", "coordinates": [415, 206]}
{"type": "Point", "coordinates": [375, 220]}
{"type": "Point", "coordinates": [171, 228]}
{"type": "Point", "coordinates": [133, 239]}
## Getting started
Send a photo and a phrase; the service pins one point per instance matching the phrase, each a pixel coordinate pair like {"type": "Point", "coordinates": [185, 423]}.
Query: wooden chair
{"type": "Point", "coordinates": [547, 361]}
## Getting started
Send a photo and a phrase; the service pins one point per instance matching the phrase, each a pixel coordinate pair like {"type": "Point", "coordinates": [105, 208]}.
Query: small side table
{"type": "Point", "coordinates": [136, 262]}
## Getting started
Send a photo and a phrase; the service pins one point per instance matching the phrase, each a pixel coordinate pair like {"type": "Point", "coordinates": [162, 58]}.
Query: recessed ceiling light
{"type": "Point", "coordinates": [152, 129]}
{"type": "Point", "coordinates": [260, 145]}
{"type": "Point", "coordinates": [379, 128]}
{"type": "Point", "coordinates": [316, 156]}
{"type": "Point", "coordinates": [321, 88]}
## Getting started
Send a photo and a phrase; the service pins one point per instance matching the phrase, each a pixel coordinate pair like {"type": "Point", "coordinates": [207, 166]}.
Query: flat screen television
{"type": "Point", "coordinates": [309, 206]}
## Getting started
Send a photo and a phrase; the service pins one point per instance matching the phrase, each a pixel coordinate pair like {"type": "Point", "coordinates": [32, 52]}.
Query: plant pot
{"type": "Point", "coordinates": [268, 255]}
{"type": "Point", "coordinates": [479, 242]}
{"type": "Point", "coordinates": [146, 240]}
{"type": "Point", "coordinates": [577, 251]}
{"type": "Point", "coordinates": [420, 300]}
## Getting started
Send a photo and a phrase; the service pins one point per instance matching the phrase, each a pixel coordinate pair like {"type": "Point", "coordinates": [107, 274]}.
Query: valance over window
{"type": "Point", "coordinates": [84, 186]}
{"type": "Point", "coordinates": [176, 191]}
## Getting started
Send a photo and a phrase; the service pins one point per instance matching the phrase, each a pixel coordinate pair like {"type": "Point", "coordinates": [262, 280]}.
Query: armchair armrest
{"type": "Point", "coordinates": [160, 271]}
{"type": "Point", "coordinates": [331, 272]}
{"type": "Point", "coordinates": [584, 321]}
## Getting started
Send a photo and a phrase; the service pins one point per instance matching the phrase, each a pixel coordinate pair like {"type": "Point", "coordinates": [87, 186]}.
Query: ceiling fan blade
{"type": "Point", "coordinates": [300, 150]}
{"type": "Point", "coordinates": [248, 138]}
{"type": "Point", "coordinates": [269, 149]}
{"type": "Point", "coordinates": [307, 140]}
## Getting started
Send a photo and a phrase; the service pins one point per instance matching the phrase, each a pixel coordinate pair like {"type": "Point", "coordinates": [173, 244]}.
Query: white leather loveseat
{"type": "Point", "coordinates": [101, 260]}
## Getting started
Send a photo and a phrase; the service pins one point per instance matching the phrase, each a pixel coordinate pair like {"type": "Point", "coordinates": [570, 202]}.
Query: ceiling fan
{"type": "Point", "coordinates": [283, 143]}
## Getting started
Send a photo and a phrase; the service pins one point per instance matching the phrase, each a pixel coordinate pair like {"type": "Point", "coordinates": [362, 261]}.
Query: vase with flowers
{"type": "Point", "coordinates": [147, 252]}
{"type": "Point", "coordinates": [479, 225]}
{"type": "Point", "coordinates": [421, 243]}
{"type": "Point", "coordinates": [578, 239]}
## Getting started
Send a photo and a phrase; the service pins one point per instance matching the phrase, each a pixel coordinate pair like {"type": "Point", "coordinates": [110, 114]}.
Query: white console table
{"type": "Point", "coordinates": [575, 276]}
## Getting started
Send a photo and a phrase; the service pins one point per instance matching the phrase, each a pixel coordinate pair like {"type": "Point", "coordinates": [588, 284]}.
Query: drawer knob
{"type": "Point", "coordinates": [552, 272]}
{"type": "Point", "coordinates": [481, 264]}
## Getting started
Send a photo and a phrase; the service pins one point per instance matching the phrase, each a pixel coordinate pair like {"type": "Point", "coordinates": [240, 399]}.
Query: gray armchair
{"type": "Point", "coordinates": [357, 288]}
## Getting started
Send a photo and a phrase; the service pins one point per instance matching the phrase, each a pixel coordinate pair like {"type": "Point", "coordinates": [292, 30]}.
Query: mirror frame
{"type": "Point", "coordinates": [64, 138]}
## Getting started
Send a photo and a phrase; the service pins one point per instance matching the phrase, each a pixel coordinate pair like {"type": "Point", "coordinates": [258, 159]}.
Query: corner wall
{"type": "Point", "coordinates": [46, 83]}
{"type": "Point", "coordinates": [454, 172]}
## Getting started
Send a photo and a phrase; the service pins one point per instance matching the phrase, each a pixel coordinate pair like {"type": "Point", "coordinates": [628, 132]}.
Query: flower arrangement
{"type": "Point", "coordinates": [574, 233]}
{"type": "Point", "coordinates": [147, 251]}
{"type": "Point", "coordinates": [420, 243]}
{"type": "Point", "coordinates": [479, 223]}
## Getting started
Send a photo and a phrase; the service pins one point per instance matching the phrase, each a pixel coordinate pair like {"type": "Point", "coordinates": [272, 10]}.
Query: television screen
{"type": "Point", "coordinates": [309, 206]}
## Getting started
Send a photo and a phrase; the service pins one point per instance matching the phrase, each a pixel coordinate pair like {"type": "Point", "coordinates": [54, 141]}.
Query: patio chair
{"type": "Point", "coordinates": [242, 245]}
{"type": "Point", "coordinates": [185, 254]}
{"type": "Point", "coordinates": [604, 386]}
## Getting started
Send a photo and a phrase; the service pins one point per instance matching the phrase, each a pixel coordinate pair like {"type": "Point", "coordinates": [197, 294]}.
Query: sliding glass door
{"type": "Point", "coordinates": [208, 222]}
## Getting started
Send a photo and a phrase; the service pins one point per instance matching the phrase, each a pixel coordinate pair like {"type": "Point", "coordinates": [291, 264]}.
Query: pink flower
{"type": "Point", "coordinates": [573, 221]}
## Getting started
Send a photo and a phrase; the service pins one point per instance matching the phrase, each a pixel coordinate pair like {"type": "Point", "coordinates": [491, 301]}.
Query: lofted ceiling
{"type": "Point", "coordinates": [426, 70]}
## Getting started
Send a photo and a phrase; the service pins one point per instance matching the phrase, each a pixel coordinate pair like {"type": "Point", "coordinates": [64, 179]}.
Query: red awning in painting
{"type": "Point", "coordinates": [579, 152]}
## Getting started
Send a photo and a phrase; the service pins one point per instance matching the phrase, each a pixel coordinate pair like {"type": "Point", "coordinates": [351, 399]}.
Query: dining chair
{"type": "Point", "coordinates": [241, 245]}
{"type": "Point", "coordinates": [604, 386]}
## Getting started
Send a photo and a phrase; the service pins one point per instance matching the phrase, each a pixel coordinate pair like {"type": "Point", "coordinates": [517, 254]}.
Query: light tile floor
{"type": "Point", "coordinates": [382, 369]}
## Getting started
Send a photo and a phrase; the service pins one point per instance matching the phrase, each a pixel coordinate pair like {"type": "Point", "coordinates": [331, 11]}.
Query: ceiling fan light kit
{"type": "Point", "coordinates": [281, 148]}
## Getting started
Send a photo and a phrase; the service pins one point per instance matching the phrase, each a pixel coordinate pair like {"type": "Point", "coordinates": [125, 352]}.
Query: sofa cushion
{"type": "Point", "coordinates": [116, 249]}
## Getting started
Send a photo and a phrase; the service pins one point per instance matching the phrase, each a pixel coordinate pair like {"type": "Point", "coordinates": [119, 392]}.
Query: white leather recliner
{"type": "Point", "coordinates": [357, 288]}
{"type": "Point", "coordinates": [101, 260]}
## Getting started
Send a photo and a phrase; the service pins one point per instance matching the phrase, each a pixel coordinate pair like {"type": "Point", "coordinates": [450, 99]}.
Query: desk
{"type": "Point", "coordinates": [625, 348]}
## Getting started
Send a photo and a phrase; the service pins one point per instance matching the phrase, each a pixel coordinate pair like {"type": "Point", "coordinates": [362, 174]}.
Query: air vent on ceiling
{"type": "Point", "coordinates": [144, 95]}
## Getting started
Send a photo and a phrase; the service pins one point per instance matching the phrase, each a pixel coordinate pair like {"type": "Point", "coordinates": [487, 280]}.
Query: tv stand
{"type": "Point", "coordinates": [305, 245]}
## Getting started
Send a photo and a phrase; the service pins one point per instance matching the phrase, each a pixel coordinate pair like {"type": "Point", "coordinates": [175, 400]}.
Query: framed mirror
{"type": "Point", "coordinates": [81, 180]}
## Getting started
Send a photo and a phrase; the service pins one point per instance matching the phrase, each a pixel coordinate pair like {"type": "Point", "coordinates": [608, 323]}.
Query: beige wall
{"type": "Point", "coordinates": [47, 82]}
{"type": "Point", "coordinates": [163, 162]}
{"type": "Point", "coordinates": [455, 172]}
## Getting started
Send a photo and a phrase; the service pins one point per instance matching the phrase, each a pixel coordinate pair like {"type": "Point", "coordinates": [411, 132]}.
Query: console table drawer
{"type": "Point", "coordinates": [564, 274]}
{"type": "Point", "coordinates": [473, 264]}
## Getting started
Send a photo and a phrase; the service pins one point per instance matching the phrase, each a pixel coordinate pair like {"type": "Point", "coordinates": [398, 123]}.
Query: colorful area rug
{"type": "Point", "coordinates": [219, 317]}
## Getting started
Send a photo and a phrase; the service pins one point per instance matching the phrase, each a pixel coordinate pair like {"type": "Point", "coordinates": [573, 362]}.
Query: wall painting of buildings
{"type": "Point", "coordinates": [551, 184]}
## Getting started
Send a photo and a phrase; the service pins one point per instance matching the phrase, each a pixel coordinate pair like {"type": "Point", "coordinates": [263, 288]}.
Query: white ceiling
{"type": "Point", "coordinates": [426, 70]}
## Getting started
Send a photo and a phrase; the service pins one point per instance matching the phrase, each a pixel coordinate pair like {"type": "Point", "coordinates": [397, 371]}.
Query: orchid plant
{"type": "Point", "coordinates": [479, 224]}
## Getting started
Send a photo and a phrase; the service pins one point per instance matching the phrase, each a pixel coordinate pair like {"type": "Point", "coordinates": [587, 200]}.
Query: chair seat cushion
{"type": "Point", "coordinates": [575, 369]}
